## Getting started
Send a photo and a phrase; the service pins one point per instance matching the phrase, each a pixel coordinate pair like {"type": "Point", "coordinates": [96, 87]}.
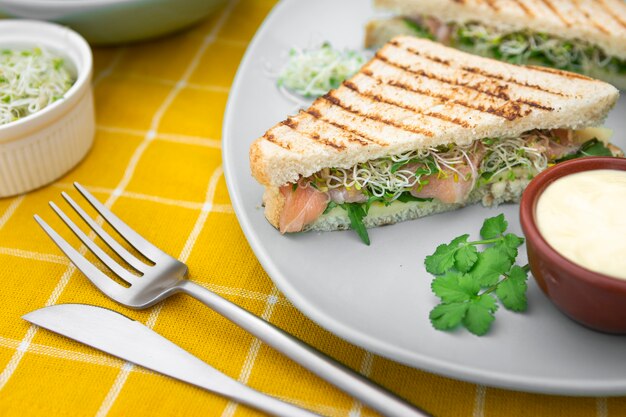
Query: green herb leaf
{"type": "Point", "coordinates": [407, 197]}
{"type": "Point", "coordinates": [443, 258]}
{"type": "Point", "coordinates": [469, 284]}
{"type": "Point", "coordinates": [356, 213]}
{"type": "Point", "coordinates": [593, 147]}
{"type": "Point", "coordinates": [467, 277]}
{"type": "Point", "coordinates": [509, 245]}
{"type": "Point", "coordinates": [465, 257]}
{"type": "Point", "coordinates": [479, 315]}
{"type": "Point", "coordinates": [418, 30]}
{"type": "Point", "coordinates": [512, 290]}
{"type": "Point", "coordinates": [493, 227]}
{"type": "Point", "coordinates": [397, 165]}
{"type": "Point", "coordinates": [449, 289]}
{"type": "Point", "coordinates": [331, 205]}
{"type": "Point", "coordinates": [492, 263]}
{"type": "Point", "coordinates": [448, 316]}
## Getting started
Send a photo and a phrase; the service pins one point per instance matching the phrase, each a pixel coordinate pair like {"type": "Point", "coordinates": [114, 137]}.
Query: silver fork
{"type": "Point", "coordinates": [169, 276]}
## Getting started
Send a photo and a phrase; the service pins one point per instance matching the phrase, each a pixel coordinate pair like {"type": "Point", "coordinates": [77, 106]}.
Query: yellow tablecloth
{"type": "Point", "coordinates": [156, 162]}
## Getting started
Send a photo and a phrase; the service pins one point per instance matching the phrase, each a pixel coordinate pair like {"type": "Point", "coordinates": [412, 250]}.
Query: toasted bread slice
{"type": "Point", "coordinates": [415, 94]}
{"type": "Point", "coordinates": [600, 22]}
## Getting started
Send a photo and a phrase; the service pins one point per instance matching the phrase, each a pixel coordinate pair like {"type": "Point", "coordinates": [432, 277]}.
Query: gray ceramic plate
{"type": "Point", "coordinates": [378, 297]}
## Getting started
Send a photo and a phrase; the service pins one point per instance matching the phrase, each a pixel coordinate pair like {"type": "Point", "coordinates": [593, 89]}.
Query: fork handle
{"type": "Point", "coordinates": [344, 378]}
{"type": "Point", "coordinates": [263, 402]}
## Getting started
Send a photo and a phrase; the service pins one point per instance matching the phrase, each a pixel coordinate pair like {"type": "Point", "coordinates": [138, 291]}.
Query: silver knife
{"type": "Point", "coordinates": [114, 333]}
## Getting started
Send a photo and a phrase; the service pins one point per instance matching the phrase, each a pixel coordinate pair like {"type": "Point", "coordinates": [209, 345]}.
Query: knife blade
{"type": "Point", "coordinates": [118, 335]}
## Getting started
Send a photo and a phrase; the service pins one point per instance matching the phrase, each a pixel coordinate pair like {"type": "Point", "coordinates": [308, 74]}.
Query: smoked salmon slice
{"type": "Point", "coordinates": [303, 205]}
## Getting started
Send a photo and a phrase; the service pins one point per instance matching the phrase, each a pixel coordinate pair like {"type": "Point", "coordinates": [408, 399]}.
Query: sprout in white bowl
{"type": "Point", "coordinates": [30, 80]}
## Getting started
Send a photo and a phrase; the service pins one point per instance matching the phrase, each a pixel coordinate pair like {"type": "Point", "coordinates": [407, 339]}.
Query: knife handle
{"type": "Point", "coordinates": [344, 378]}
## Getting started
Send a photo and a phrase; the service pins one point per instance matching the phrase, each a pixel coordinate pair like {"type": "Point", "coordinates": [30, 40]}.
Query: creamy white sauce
{"type": "Point", "coordinates": [583, 217]}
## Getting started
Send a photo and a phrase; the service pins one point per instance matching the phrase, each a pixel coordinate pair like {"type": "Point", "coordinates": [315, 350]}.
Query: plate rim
{"type": "Point", "coordinates": [475, 375]}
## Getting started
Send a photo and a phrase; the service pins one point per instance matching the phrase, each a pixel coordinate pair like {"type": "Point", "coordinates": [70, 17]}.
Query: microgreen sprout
{"type": "Point", "coordinates": [30, 80]}
{"type": "Point", "coordinates": [313, 72]}
{"type": "Point", "coordinates": [388, 178]}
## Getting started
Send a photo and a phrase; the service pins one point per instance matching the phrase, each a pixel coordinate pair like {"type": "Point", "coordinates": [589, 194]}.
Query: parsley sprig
{"type": "Point", "coordinates": [470, 282]}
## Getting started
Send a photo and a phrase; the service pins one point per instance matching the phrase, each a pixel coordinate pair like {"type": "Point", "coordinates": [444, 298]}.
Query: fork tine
{"type": "Point", "coordinates": [112, 243]}
{"type": "Point", "coordinates": [111, 288]}
{"type": "Point", "coordinates": [102, 255]}
{"type": "Point", "coordinates": [135, 239]}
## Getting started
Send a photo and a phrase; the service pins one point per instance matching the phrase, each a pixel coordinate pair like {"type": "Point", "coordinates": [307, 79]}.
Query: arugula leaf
{"type": "Point", "coordinates": [419, 30]}
{"type": "Point", "coordinates": [407, 197]}
{"type": "Point", "coordinates": [356, 213]}
{"type": "Point", "coordinates": [448, 316]}
{"type": "Point", "coordinates": [493, 227]}
{"type": "Point", "coordinates": [331, 205]}
{"type": "Point", "coordinates": [491, 264]}
{"type": "Point", "coordinates": [479, 315]}
{"type": "Point", "coordinates": [593, 147]}
{"type": "Point", "coordinates": [397, 165]}
{"type": "Point", "coordinates": [512, 290]}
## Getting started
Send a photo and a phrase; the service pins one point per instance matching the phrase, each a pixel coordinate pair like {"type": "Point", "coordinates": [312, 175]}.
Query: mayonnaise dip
{"type": "Point", "coordinates": [583, 217]}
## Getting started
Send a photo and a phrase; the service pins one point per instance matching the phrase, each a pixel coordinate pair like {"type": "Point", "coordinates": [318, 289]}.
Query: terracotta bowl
{"type": "Point", "coordinates": [590, 298]}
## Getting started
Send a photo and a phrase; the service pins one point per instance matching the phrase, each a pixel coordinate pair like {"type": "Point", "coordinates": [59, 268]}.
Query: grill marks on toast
{"type": "Point", "coordinates": [333, 98]}
{"type": "Point", "coordinates": [556, 12]}
{"type": "Point", "coordinates": [293, 124]}
{"type": "Point", "coordinates": [510, 113]}
{"type": "Point", "coordinates": [495, 90]}
{"type": "Point", "coordinates": [310, 126]}
{"type": "Point", "coordinates": [456, 94]}
{"type": "Point", "coordinates": [365, 138]}
{"type": "Point", "coordinates": [610, 11]}
{"type": "Point", "coordinates": [559, 72]}
{"type": "Point", "coordinates": [493, 5]}
{"type": "Point", "coordinates": [589, 17]}
{"type": "Point", "coordinates": [273, 139]}
{"type": "Point", "coordinates": [525, 8]}
{"type": "Point", "coordinates": [320, 128]}
{"type": "Point", "coordinates": [388, 100]}
{"type": "Point", "coordinates": [480, 71]}
{"type": "Point", "coordinates": [500, 104]}
{"type": "Point", "coordinates": [513, 81]}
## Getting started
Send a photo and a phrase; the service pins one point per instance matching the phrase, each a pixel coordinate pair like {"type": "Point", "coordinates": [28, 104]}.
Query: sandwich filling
{"type": "Point", "coordinates": [447, 173]}
{"type": "Point", "coordinates": [520, 47]}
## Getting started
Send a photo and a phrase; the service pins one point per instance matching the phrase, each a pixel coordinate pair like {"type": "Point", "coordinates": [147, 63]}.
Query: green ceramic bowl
{"type": "Point", "coordinates": [114, 21]}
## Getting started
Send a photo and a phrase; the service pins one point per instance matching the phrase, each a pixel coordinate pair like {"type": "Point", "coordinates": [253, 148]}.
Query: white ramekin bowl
{"type": "Point", "coordinates": [39, 148]}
